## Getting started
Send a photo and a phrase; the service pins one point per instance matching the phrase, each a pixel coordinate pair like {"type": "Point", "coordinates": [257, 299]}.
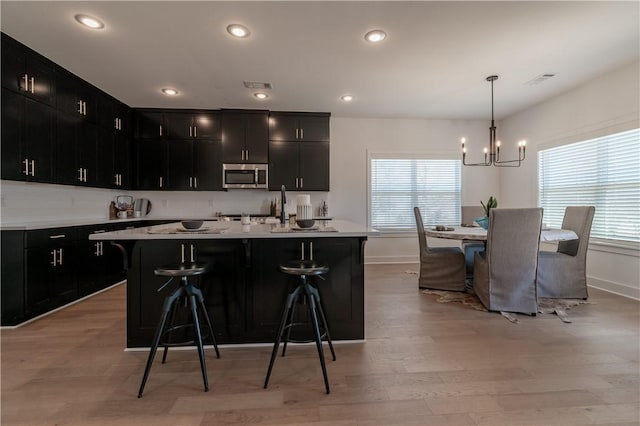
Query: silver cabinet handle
{"type": "Point", "coordinates": [55, 237]}
{"type": "Point", "coordinates": [26, 166]}
{"type": "Point", "coordinates": [302, 249]}
{"type": "Point", "coordinates": [101, 248]}
{"type": "Point", "coordinates": [33, 167]}
{"type": "Point", "coordinates": [55, 259]}
{"type": "Point", "coordinates": [310, 250]}
{"type": "Point", "coordinates": [160, 181]}
{"type": "Point", "coordinates": [116, 179]}
{"type": "Point", "coordinates": [59, 256]}
{"type": "Point", "coordinates": [301, 182]}
{"type": "Point", "coordinates": [190, 182]}
{"type": "Point", "coordinates": [297, 134]}
{"type": "Point", "coordinates": [115, 123]}
{"type": "Point", "coordinates": [161, 130]}
{"type": "Point", "coordinates": [182, 252]}
{"type": "Point", "coordinates": [80, 174]}
{"type": "Point", "coordinates": [190, 132]}
{"type": "Point", "coordinates": [80, 107]}
{"type": "Point", "coordinates": [195, 132]}
{"type": "Point", "coordinates": [119, 179]}
{"type": "Point", "coordinates": [296, 183]}
{"type": "Point", "coordinates": [97, 252]}
{"type": "Point", "coordinates": [195, 182]}
{"type": "Point", "coordinates": [85, 174]}
{"type": "Point", "coordinates": [26, 82]}
{"type": "Point", "coordinates": [247, 156]}
{"type": "Point", "coordinates": [193, 252]}
{"type": "Point", "coordinates": [242, 153]}
{"type": "Point", "coordinates": [33, 85]}
{"type": "Point", "coordinates": [301, 133]}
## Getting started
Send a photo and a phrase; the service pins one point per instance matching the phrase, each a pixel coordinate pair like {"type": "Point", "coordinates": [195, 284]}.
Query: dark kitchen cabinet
{"type": "Point", "coordinates": [49, 270]}
{"type": "Point", "coordinates": [26, 72]}
{"type": "Point", "coordinates": [194, 165]}
{"type": "Point", "coordinates": [207, 163]}
{"type": "Point", "coordinates": [342, 301]}
{"type": "Point", "coordinates": [192, 125]}
{"type": "Point", "coordinates": [179, 174]}
{"type": "Point", "coordinates": [28, 129]}
{"type": "Point", "coordinates": [12, 277]}
{"type": "Point", "coordinates": [96, 267]}
{"type": "Point", "coordinates": [113, 167]}
{"type": "Point", "coordinates": [290, 126]}
{"type": "Point", "coordinates": [77, 97]}
{"type": "Point", "coordinates": [149, 124]}
{"type": "Point", "coordinates": [76, 151]}
{"type": "Point", "coordinates": [151, 158]}
{"type": "Point", "coordinates": [299, 165]}
{"type": "Point", "coordinates": [245, 136]}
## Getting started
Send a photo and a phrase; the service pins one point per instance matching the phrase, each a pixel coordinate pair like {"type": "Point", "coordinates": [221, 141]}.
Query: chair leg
{"type": "Point", "coordinates": [289, 324]}
{"type": "Point", "coordinates": [198, 293]}
{"type": "Point", "coordinates": [171, 322]}
{"type": "Point", "coordinates": [290, 298]}
{"type": "Point", "coordinates": [316, 295]}
{"type": "Point", "coordinates": [316, 329]}
{"type": "Point", "coordinates": [168, 304]}
{"type": "Point", "coordinates": [196, 329]}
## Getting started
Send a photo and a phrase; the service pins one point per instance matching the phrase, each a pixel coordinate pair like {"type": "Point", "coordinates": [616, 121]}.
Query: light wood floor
{"type": "Point", "coordinates": [423, 363]}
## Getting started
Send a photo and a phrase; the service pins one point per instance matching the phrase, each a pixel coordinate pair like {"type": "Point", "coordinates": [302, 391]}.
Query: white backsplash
{"type": "Point", "coordinates": [23, 202]}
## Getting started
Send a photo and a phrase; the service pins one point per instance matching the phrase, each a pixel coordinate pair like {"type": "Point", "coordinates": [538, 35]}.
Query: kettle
{"type": "Point", "coordinates": [141, 207]}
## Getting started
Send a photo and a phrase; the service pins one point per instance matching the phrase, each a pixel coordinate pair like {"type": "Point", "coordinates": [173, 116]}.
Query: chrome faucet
{"type": "Point", "coordinates": [283, 201]}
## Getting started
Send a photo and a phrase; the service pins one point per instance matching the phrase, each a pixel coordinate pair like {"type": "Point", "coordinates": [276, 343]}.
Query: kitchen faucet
{"type": "Point", "coordinates": [283, 201]}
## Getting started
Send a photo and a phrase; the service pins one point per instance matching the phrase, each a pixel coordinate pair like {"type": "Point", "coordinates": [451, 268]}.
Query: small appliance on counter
{"type": "Point", "coordinates": [124, 205]}
{"type": "Point", "coordinates": [141, 207]}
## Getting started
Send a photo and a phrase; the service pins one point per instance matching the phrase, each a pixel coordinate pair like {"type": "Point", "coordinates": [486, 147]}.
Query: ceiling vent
{"type": "Point", "coordinates": [539, 79]}
{"type": "Point", "coordinates": [256, 85]}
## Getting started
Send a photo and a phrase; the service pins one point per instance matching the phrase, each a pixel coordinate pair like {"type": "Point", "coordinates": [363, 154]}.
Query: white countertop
{"type": "Point", "coordinates": [234, 230]}
{"type": "Point", "coordinates": [61, 223]}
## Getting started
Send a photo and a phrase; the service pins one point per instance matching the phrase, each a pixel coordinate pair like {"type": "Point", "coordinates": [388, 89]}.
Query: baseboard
{"type": "Point", "coordinates": [379, 260]}
{"type": "Point", "coordinates": [29, 321]}
{"type": "Point", "coordinates": [615, 288]}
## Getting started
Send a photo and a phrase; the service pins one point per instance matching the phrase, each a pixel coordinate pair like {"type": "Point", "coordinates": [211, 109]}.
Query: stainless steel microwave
{"type": "Point", "coordinates": [245, 176]}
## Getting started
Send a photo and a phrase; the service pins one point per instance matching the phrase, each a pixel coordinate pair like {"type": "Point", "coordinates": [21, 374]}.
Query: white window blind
{"type": "Point", "coordinates": [400, 184]}
{"type": "Point", "coordinates": [602, 172]}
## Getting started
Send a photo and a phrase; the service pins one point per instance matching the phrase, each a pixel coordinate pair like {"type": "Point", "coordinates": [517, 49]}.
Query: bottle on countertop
{"type": "Point", "coordinates": [325, 209]}
{"type": "Point", "coordinates": [113, 211]}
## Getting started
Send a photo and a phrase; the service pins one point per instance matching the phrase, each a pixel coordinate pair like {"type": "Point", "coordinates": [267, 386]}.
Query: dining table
{"type": "Point", "coordinates": [477, 233]}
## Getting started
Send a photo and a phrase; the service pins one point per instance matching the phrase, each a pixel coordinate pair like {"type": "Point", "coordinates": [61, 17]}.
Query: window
{"type": "Point", "coordinates": [398, 184]}
{"type": "Point", "coordinates": [602, 172]}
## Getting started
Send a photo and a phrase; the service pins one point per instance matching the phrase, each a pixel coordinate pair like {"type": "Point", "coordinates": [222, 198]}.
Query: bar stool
{"type": "Point", "coordinates": [185, 294]}
{"type": "Point", "coordinates": [303, 291]}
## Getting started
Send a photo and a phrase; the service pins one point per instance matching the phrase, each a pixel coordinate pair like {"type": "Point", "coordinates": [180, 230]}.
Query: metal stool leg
{"type": "Point", "coordinates": [289, 323]}
{"type": "Point", "coordinates": [290, 299]}
{"type": "Point", "coordinates": [168, 303]}
{"type": "Point", "coordinates": [198, 293]}
{"type": "Point", "coordinates": [196, 329]}
{"type": "Point", "coordinates": [171, 322]}
{"type": "Point", "coordinates": [316, 329]}
{"type": "Point", "coordinates": [316, 295]}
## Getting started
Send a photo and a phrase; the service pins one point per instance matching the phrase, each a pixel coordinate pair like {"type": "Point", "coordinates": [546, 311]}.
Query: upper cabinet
{"type": "Point", "coordinates": [290, 126]}
{"type": "Point", "coordinates": [171, 124]}
{"type": "Point", "coordinates": [26, 72]}
{"type": "Point", "coordinates": [245, 136]}
{"type": "Point", "coordinates": [77, 98]}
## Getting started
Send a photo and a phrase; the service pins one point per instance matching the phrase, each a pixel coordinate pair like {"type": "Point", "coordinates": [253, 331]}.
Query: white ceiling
{"type": "Point", "coordinates": [433, 63]}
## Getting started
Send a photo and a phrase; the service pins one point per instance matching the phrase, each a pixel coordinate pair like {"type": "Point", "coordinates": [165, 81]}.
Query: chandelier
{"type": "Point", "coordinates": [492, 154]}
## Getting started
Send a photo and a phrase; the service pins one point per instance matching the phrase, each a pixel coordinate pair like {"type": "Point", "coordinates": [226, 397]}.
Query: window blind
{"type": "Point", "coordinates": [400, 184]}
{"type": "Point", "coordinates": [602, 172]}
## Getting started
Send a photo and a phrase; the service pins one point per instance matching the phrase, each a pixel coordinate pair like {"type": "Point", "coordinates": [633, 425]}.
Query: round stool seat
{"type": "Point", "coordinates": [304, 267]}
{"type": "Point", "coordinates": [182, 269]}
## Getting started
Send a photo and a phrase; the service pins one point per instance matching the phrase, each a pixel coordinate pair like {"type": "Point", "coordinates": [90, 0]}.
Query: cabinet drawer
{"type": "Point", "coordinates": [50, 236]}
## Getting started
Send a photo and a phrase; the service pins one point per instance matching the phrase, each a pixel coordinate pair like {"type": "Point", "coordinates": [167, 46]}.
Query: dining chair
{"type": "Point", "coordinates": [504, 276]}
{"type": "Point", "coordinates": [471, 247]}
{"type": "Point", "coordinates": [441, 268]}
{"type": "Point", "coordinates": [563, 273]}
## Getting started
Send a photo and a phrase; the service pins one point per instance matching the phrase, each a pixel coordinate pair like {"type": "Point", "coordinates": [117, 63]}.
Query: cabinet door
{"type": "Point", "coordinates": [178, 125]}
{"type": "Point", "coordinates": [66, 170]}
{"type": "Point", "coordinates": [13, 154]}
{"type": "Point", "coordinates": [14, 65]}
{"type": "Point", "coordinates": [233, 135]}
{"type": "Point", "coordinates": [314, 166]}
{"type": "Point", "coordinates": [257, 138]}
{"type": "Point", "coordinates": [41, 79]}
{"type": "Point", "coordinates": [180, 165]}
{"type": "Point", "coordinates": [313, 128]}
{"type": "Point", "coordinates": [38, 278]}
{"type": "Point", "coordinates": [207, 126]}
{"type": "Point", "coordinates": [86, 151]}
{"type": "Point", "coordinates": [207, 165]}
{"type": "Point", "coordinates": [149, 125]}
{"type": "Point", "coordinates": [75, 97]}
{"type": "Point", "coordinates": [105, 176]}
{"type": "Point", "coordinates": [65, 286]}
{"type": "Point", "coordinates": [283, 165]}
{"type": "Point", "coordinates": [12, 277]}
{"type": "Point", "coordinates": [283, 127]}
{"type": "Point", "coordinates": [151, 164]}
{"type": "Point", "coordinates": [122, 160]}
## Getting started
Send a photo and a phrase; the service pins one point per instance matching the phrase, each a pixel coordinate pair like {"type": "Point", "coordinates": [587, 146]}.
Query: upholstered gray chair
{"type": "Point", "coordinates": [563, 273]}
{"type": "Point", "coordinates": [441, 268]}
{"type": "Point", "coordinates": [471, 247]}
{"type": "Point", "coordinates": [504, 276]}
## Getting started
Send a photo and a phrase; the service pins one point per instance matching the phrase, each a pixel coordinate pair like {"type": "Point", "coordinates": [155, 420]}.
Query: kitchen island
{"type": "Point", "coordinates": [244, 291]}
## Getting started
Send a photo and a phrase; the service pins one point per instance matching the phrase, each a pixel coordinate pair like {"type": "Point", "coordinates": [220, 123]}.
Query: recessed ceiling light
{"type": "Point", "coordinates": [89, 21]}
{"type": "Point", "coordinates": [261, 95]}
{"type": "Point", "coordinates": [238, 30]}
{"type": "Point", "coordinates": [375, 36]}
{"type": "Point", "coordinates": [346, 98]}
{"type": "Point", "coordinates": [169, 92]}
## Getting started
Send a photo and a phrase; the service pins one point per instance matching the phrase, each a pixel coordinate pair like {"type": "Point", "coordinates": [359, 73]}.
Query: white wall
{"type": "Point", "coordinates": [604, 105]}
{"type": "Point", "coordinates": [353, 139]}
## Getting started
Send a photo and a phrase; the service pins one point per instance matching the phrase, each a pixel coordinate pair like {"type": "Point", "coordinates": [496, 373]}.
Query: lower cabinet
{"type": "Point", "coordinates": [12, 276]}
{"type": "Point", "coordinates": [245, 292]}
